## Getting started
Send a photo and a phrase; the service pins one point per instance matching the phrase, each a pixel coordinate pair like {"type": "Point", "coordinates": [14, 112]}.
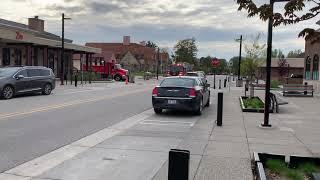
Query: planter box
{"type": "Point", "coordinates": [244, 109]}
{"type": "Point", "coordinates": [261, 158]}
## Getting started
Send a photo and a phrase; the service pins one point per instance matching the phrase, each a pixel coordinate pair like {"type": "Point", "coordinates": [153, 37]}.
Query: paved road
{"type": "Point", "coordinates": [31, 126]}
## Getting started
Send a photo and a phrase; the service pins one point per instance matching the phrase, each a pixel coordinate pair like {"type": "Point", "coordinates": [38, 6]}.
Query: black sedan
{"type": "Point", "coordinates": [181, 93]}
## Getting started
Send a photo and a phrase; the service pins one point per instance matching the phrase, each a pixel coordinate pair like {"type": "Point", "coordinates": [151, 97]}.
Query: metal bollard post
{"type": "Point", "coordinates": [220, 109]}
{"type": "Point", "coordinates": [219, 83]}
{"type": "Point", "coordinates": [178, 164]}
{"type": "Point", "coordinates": [305, 87]}
{"type": "Point", "coordinates": [225, 83]}
{"type": "Point", "coordinates": [214, 81]}
{"type": "Point", "coordinates": [76, 80]}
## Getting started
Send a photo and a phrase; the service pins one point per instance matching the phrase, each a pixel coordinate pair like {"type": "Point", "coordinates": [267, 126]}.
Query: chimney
{"type": "Point", "coordinates": [36, 24]}
{"type": "Point", "coordinates": [126, 40]}
{"type": "Point", "coordinates": [143, 43]}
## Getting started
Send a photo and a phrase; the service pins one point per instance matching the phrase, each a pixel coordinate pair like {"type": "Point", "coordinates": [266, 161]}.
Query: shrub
{"type": "Point", "coordinates": [254, 103]}
{"type": "Point", "coordinates": [275, 84]}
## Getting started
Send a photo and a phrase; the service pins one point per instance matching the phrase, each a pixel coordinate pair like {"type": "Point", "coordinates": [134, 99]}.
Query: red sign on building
{"type": "Point", "coordinates": [19, 36]}
{"type": "Point", "coordinates": [215, 62]}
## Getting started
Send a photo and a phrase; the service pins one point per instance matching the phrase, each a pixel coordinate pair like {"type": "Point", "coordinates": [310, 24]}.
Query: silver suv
{"type": "Point", "coordinates": [25, 79]}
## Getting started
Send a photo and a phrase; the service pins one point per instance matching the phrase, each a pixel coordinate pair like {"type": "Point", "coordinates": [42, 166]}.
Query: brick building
{"type": "Point", "coordinates": [311, 65]}
{"type": "Point", "coordinates": [29, 44]}
{"type": "Point", "coordinates": [293, 66]}
{"type": "Point", "coordinates": [132, 56]}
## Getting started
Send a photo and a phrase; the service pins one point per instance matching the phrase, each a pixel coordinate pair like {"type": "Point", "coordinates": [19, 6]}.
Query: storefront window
{"type": "Point", "coordinates": [315, 73]}
{"type": "Point", "coordinates": [6, 57]}
{"type": "Point", "coordinates": [18, 57]}
{"type": "Point", "coordinates": [308, 68]}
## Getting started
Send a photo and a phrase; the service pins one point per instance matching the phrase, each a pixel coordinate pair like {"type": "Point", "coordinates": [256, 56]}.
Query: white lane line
{"type": "Point", "coordinates": [167, 123]}
{"type": "Point", "coordinates": [48, 161]}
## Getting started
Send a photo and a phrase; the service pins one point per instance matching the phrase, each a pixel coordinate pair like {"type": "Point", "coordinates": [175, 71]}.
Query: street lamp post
{"type": "Point", "coordinates": [240, 57]}
{"type": "Point", "coordinates": [268, 67]}
{"type": "Point", "coordinates": [62, 50]}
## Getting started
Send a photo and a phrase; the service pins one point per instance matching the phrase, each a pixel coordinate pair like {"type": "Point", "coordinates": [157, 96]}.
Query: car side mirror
{"type": "Point", "coordinates": [19, 77]}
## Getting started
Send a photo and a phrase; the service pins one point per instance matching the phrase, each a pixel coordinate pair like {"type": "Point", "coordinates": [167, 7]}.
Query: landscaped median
{"type": "Point", "coordinates": [274, 167]}
{"type": "Point", "coordinates": [254, 104]}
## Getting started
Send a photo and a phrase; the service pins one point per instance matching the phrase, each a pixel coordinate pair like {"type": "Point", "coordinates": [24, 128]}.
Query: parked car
{"type": "Point", "coordinates": [181, 93]}
{"type": "Point", "coordinates": [199, 74]}
{"type": "Point", "coordinates": [27, 79]}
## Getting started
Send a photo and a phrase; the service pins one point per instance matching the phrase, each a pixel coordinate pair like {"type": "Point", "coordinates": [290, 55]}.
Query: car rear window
{"type": "Point", "coordinates": [177, 82]}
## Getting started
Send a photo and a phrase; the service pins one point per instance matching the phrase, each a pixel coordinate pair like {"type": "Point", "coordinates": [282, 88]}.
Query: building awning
{"type": "Point", "coordinates": [21, 36]}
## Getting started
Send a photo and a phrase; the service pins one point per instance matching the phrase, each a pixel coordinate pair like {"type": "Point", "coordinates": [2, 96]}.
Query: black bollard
{"type": "Point", "coordinates": [219, 83]}
{"type": "Point", "coordinates": [214, 81]}
{"type": "Point", "coordinates": [225, 83]}
{"type": "Point", "coordinates": [220, 109]}
{"type": "Point", "coordinates": [305, 87]}
{"type": "Point", "coordinates": [178, 164]}
{"type": "Point", "coordinates": [76, 80]}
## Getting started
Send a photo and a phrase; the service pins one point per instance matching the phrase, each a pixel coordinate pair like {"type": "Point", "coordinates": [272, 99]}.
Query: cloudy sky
{"type": "Point", "coordinates": [214, 23]}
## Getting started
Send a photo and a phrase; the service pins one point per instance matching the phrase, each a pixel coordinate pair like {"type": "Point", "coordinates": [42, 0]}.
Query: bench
{"type": "Point", "coordinates": [298, 90]}
{"type": "Point", "coordinates": [276, 102]}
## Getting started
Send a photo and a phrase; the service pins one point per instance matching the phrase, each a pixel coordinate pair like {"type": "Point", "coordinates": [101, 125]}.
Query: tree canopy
{"type": "Point", "coordinates": [292, 14]}
{"type": "Point", "coordinates": [186, 51]}
{"type": "Point", "coordinates": [151, 44]}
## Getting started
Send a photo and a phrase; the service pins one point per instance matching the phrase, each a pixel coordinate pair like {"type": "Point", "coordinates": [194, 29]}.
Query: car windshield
{"type": "Point", "coordinates": [118, 66]}
{"type": "Point", "coordinates": [178, 82]}
{"type": "Point", "coordinates": [192, 74]}
{"type": "Point", "coordinates": [4, 72]}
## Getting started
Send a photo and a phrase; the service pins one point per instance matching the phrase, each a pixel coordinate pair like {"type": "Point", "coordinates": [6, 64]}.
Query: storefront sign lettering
{"type": "Point", "coordinates": [19, 36]}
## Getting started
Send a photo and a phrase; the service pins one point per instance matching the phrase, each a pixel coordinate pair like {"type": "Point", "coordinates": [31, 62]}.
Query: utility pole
{"type": "Point", "coordinates": [62, 50]}
{"type": "Point", "coordinates": [240, 57]}
{"type": "Point", "coordinates": [62, 53]}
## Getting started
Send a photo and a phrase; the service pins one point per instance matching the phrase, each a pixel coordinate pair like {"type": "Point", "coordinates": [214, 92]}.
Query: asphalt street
{"type": "Point", "coordinates": [31, 126]}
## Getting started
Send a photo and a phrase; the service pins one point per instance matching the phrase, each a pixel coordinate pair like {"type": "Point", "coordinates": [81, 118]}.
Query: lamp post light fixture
{"type": "Point", "coordinates": [62, 49]}
{"type": "Point", "coordinates": [268, 66]}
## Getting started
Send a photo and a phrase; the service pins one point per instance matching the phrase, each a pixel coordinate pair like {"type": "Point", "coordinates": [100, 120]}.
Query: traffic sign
{"type": "Point", "coordinates": [215, 62]}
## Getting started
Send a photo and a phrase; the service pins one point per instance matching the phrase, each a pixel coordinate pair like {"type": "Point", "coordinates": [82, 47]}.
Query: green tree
{"type": "Point", "coordinates": [151, 44]}
{"type": "Point", "coordinates": [255, 53]}
{"type": "Point", "coordinates": [277, 53]}
{"type": "Point", "coordinates": [291, 14]}
{"type": "Point", "coordinates": [186, 51]}
{"type": "Point", "coordinates": [295, 54]}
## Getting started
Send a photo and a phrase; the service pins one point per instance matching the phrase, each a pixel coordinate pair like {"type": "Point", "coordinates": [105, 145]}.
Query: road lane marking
{"type": "Point", "coordinates": [167, 123]}
{"type": "Point", "coordinates": [50, 160]}
{"type": "Point", "coordinates": [72, 103]}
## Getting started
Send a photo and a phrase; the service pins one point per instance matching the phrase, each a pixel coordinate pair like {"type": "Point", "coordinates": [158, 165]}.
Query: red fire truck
{"type": "Point", "coordinates": [179, 69]}
{"type": "Point", "coordinates": [109, 69]}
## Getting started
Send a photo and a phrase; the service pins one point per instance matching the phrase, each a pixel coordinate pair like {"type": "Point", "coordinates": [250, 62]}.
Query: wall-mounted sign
{"type": "Point", "coordinates": [19, 36]}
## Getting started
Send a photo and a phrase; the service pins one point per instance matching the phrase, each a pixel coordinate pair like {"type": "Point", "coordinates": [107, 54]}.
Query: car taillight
{"type": "Point", "coordinates": [155, 91]}
{"type": "Point", "coordinates": [180, 73]}
{"type": "Point", "coordinates": [192, 92]}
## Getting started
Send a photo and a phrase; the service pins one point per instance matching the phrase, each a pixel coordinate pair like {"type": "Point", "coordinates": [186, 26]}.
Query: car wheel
{"type": "Point", "coordinates": [47, 89]}
{"type": "Point", "coordinates": [208, 102]}
{"type": "Point", "coordinates": [117, 78]}
{"type": "Point", "coordinates": [157, 110]}
{"type": "Point", "coordinates": [7, 92]}
{"type": "Point", "coordinates": [200, 108]}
